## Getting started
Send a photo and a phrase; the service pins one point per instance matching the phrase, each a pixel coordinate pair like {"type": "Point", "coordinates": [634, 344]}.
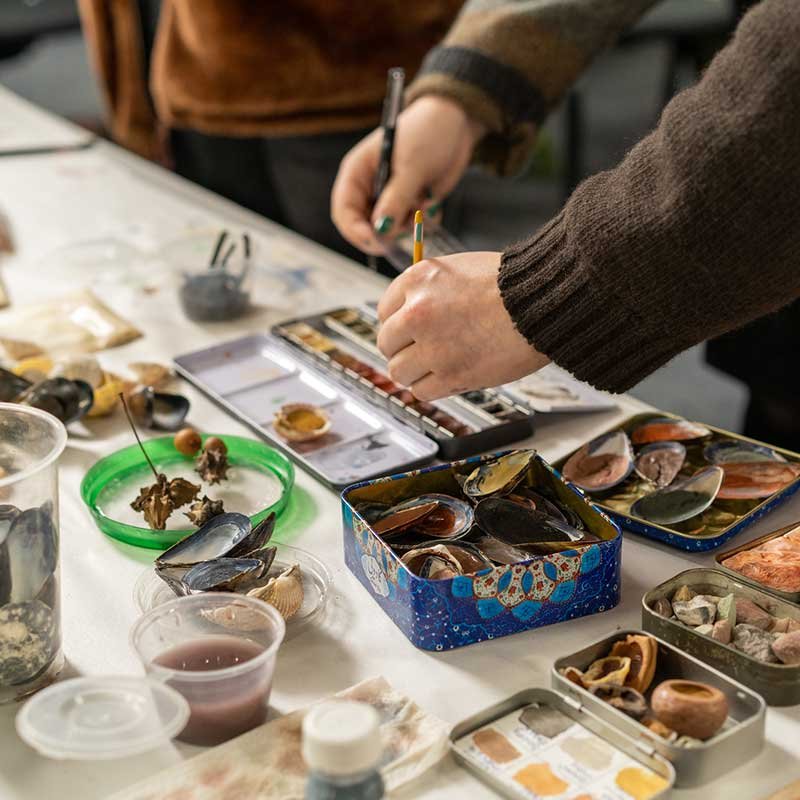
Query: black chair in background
{"type": "Point", "coordinates": [22, 22]}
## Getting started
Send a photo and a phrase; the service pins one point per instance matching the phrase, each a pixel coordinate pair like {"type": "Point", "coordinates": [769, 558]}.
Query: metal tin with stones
{"type": "Point", "coordinates": [778, 684]}
{"type": "Point", "coordinates": [694, 766]}
{"type": "Point", "coordinates": [789, 597]}
{"type": "Point", "coordinates": [568, 706]}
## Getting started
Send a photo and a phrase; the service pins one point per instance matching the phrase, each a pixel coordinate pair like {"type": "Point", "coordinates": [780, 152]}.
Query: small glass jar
{"type": "Point", "coordinates": [31, 442]}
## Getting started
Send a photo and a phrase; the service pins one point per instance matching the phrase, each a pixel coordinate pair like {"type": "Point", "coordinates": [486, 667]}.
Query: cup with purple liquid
{"type": "Point", "coordinates": [218, 650]}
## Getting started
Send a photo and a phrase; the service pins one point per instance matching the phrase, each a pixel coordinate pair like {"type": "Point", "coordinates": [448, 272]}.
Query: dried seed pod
{"type": "Point", "coordinates": [213, 466]}
{"type": "Point", "coordinates": [187, 441]}
{"type": "Point", "coordinates": [642, 652]}
{"type": "Point", "coordinates": [201, 511]}
{"type": "Point", "coordinates": [611, 669]}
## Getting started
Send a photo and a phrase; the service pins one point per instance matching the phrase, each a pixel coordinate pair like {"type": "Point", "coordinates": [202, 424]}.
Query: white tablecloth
{"type": "Point", "coordinates": [122, 209]}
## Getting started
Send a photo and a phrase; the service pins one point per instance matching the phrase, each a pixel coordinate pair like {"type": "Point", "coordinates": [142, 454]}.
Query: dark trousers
{"type": "Point", "coordinates": [288, 179]}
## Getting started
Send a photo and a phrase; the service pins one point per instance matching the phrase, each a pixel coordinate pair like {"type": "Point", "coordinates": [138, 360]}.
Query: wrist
{"type": "Point", "coordinates": [449, 108]}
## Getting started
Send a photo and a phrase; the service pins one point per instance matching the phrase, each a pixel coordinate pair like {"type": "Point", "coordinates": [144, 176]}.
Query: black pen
{"type": "Point", "coordinates": [392, 105]}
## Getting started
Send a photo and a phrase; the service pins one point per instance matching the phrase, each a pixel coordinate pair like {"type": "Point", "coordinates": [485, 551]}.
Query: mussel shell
{"type": "Point", "coordinates": [11, 386]}
{"type": "Point", "coordinates": [499, 552]}
{"type": "Point", "coordinates": [66, 400]}
{"type": "Point", "coordinates": [520, 525]}
{"type": "Point", "coordinates": [738, 450]}
{"type": "Point", "coordinates": [425, 562]}
{"type": "Point", "coordinates": [222, 573]}
{"type": "Point", "coordinates": [499, 476]}
{"type": "Point", "coordinates": [600, 464]}
{"type": "Point", "coordinates": [668, 429]}
{"type": "Point", "coordinates": [450, 517]}
{"type": "Point", "coordinates": [372, 512]}
{"type": "Point", "coordinates": [660, 462]}
{"type": "Point", "coordinates": [754, 480]}
{"type": "Point", "coordinates": [466, 558]}
{"type": "Point", "coordinates": [216, 539]}
{"type": "Point", "coordinates": [32, 549]}
{"type": "Point", "coordinates": [158, 410]}
{"type": "Point", "coordinates": [256, 539]}
{"type": "Point", "coordinates": [681, 501]}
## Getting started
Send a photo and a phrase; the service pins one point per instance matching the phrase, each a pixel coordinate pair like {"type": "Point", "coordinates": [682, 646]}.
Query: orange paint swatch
{"type": "Point", "coordinates": [540, 779]}
{"type": "Point", "coordinates": [493, 744]}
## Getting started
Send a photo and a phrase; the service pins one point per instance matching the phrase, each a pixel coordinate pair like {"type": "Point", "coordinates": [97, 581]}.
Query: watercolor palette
{"type": "Point", "coordinates": [254, 376]}
{"type": "Point", "coordinates": [342, 343]}
{"type": "Point", "coordinates": [536, 744]}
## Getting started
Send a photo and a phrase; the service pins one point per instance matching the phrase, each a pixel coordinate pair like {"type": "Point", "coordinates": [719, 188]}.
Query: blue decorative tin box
{"type": "Point", "coordinates": [726, 516]}
{"type": "Point", "coordinates": [453, 612]}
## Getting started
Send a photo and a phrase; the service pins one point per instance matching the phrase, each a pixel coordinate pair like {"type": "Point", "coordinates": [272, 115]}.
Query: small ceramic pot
{"type": "Point", "coordinates": [690, 708]}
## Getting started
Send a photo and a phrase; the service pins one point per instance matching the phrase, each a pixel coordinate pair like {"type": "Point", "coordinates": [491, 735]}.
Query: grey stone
{"type": "Point", "coordinates": [663, 607]}
{"type": "Point", "coordinates": [704, 630]}
{"type": "Point", "coordinates": [755, 642]}
{"type": "Point", "coordinates": [697, 611]}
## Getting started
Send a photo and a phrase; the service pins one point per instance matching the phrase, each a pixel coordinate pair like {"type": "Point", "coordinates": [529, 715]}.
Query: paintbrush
{"type": "Point", "coordinates": [419, 243]}
{"type": "Point", "coordinates": [392, 105]}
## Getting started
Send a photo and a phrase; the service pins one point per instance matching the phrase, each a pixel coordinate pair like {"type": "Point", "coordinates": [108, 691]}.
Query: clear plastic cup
{"type": "Point", "coordinates": [31, 442]}
{"type": "Point", "coordinates": [218, 650]}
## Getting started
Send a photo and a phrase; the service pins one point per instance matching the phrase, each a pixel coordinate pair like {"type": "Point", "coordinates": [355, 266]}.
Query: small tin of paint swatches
{"type": "Point", "coordinates": [540, 743]}
{"type": "Point", "coordinates": [342, 343]}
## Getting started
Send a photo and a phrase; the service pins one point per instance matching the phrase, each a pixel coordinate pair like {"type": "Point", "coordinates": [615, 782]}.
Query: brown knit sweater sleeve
{"type": "Point", "coordinates": [695, 233]}
{"type": "Point", "coordinates": [509, 62]}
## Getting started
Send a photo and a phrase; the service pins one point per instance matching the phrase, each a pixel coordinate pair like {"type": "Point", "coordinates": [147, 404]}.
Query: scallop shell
{"type": "Point", "coordinates": [287, 428]}
{"type": "Point", "coordinates": [285, 592]}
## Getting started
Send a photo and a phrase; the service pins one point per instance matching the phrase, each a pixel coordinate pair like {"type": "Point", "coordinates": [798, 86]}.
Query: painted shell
{"type": "Point", "coordinates": [301, 422]}
{"type": "Point", "coordinates": [601, 464]}
{"type": "Point", "coordinates": [522, 526]}
{"type": "Point", "coordinates": [667, 429]}
{"type": "Point", "coordinates": [437, 561]}
{"type": "Point", "coordinates": [660, 462]}
{"type": "Point", "coordinates": [158, 410]}
{"type": "Point", "coordinates": [499, 476]}
{"type": "Point", "coordinates": [643, 654]}
{"type": "Point", "coordinates": [284, 592]}
{"type": "Point", "coordinates": [611, 669]}
{"type": "Point", "coordinates": [66, 400]}
{"type": "Point", "coordinates": [435, 516]}
{"type": "Point", "coordinates": [753, 480]}
{"type": "Point", "coordinates": [222, 574]}
{"type": "Point", "coordinates": [681, 501]}
{"type": "Point", "coordinates": [739, 451]}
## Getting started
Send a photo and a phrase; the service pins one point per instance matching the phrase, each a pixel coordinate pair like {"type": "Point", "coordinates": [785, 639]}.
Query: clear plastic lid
{"type": "Point", "coordinates": [94, 718]}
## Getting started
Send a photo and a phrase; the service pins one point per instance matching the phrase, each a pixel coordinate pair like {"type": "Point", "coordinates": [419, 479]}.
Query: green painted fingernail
{"type": "Point", "coordinates": [434, 209]}
{"type": "Point", "coordinates": [384, 225]}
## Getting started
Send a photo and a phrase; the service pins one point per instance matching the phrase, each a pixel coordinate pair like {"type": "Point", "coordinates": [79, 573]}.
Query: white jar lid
{"type": "Point", "coordinates": [94, 718]}
{"type": "Point", "coordinates": [342, 738]}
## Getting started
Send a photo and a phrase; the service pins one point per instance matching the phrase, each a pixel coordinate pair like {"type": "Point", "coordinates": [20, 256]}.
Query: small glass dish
{"type": "Point", "coordinates": [218, 651]}
{"type": "Point", "coordinates": [261, 481]}
{"type": "Point", "coordinates": [150, 591]}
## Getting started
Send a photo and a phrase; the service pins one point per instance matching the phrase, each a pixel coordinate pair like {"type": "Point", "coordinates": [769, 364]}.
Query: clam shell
{"type": "Point", "coordinates": [499, 476]}
{"type": "Point", "coordinates": [285, 592]}
{"type": "Point", "coordinates": [753, 480]}
{"type": "Point", "coordinates": [737, 450]}
{"type": "Point", "coordinates": [682, 500]}
{"type": "Point", "coordinates": [660, 462]}
{"type": "Point", "coordinates": [668, 429]}
{"type": "Point", "coordinates": [301, 422]}
{"type": "Point", "coordinates": [600, 464]}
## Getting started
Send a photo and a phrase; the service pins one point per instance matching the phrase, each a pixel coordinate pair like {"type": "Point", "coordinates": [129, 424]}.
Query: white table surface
{"type": "Point", "coordinates": [121, 205]}
{"type": "Point", "coordinates": [24, 126]}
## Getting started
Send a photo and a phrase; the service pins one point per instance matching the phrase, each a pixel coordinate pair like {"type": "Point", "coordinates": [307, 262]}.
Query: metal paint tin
{"type": "Point", "coordinates": [444, 614]}
{"type": "Point", "coordinates": [789, 597]}
{"type": "Point", "coordinates": [572, 709]}
{"type": "Point", "coordinates": [778, 684]}
{"type": "Point", "coordinates": [741, 740]}
{"type": "Point", "coordinates": [342, 343]}
{"type": "Point", "coordinates": [688, 541]}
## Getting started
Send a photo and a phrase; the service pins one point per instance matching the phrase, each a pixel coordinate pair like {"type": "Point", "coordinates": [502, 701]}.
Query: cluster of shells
{"type": "Point", "coordinates": [676, 473]}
